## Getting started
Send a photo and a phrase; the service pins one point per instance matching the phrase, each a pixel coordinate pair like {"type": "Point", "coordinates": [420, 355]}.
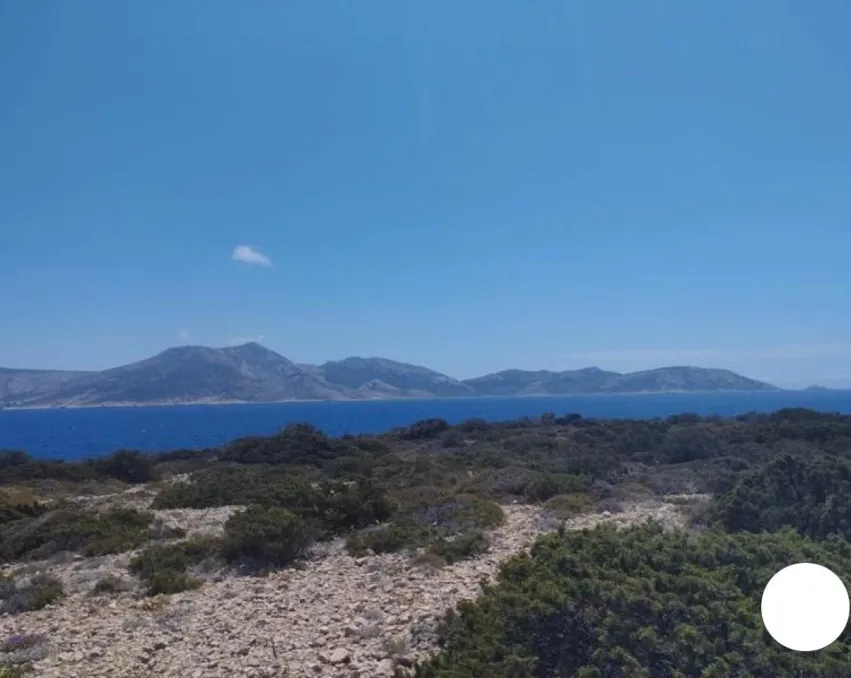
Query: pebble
{"type": "Point", "coordinates": [335, 616]}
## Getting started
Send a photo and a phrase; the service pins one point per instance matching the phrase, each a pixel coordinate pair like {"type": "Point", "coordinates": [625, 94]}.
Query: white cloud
{"type": "Point", "coordinates": [236, 341]}
{"type": "Point", "coordinates": [183, 334]}
{"type": "Point", "coordinates": [249, 255]}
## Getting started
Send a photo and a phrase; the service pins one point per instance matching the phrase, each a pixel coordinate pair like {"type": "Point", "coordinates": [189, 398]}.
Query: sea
{"type": "Point", "coordinates": [90, 432]}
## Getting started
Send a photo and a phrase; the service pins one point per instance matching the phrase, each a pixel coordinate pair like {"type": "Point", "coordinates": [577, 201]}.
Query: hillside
{"type": "Point", "coordinates": [247, 373]}
{"type": "Point", "coordinates": [301, 555]}
{"type": "Point", "coordinates": [594, 380]}
{"type": "Point", "coordinates": [379, 377]}
{"type": "Point", "coordinates": [24, 384]}
{"type": "Point", "coordinates": [253, 373]}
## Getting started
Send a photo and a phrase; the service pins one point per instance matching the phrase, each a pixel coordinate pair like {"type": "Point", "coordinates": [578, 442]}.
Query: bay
{"type": "Point", "coordinates": [87, 432]}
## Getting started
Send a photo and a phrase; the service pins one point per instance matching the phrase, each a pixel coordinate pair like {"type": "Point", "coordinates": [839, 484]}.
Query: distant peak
{"type": "Point", "coordinates": [250, 347]}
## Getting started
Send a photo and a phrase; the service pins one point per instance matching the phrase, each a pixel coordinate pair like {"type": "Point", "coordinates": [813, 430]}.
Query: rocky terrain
{"type": "Point", "coordinates": [253, 373]}
{"type": "Point", "coordinates": [334, 615]}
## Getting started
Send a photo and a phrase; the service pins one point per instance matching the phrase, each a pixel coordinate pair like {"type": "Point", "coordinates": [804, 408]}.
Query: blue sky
{"type": "Point", "coordinates": [469, 186]}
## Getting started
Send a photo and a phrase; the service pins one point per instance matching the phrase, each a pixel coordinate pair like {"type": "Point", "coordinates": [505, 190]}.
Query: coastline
{"type": "Point", "coordinates": [190, 403]}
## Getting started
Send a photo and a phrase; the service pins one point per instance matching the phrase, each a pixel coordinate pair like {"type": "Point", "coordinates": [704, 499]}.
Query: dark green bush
{"type": "Point", "coordinates": [163, 568]}
{"type": "Point", "coordinates": [608, 603]}
{"type": "Point", "coordinates": [386, 539]}
{"type": "Point", "coordinates": [451, 514]}
{"type": "Point", "coordinates": [450, 526]}
{"type": "Point", "coordinates": [569, 505]}
{"type": "Point", "coordinates": [808, 492]}
{"type": "Point", "coordinates": [328, 506]}
{"type": "Point", "coordinates": [266, 537]}
{"type": "Point", "coordinates": [423, 430]}
{"type": "Point", "coordinates": [19, 503]}
{"type": "Point", "coordinates": [296, 445]}
{"type": "Point", "coordinates": [461, 547]}
{"type": "Point", "coordinates": [91, 533]}
{"type": "Point", "coordinates": [167, 582]}
{"type": "Point", "coordinates": [128, 466]}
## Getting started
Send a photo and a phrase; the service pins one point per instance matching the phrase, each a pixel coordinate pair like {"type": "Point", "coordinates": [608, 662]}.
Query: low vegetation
{"type": "Point", "coordinates": [596, 604]}
{"type": "Point", "coordinates": [165, 568]}
{"type": "Point", "coordinates": [28, 593]}
{"type": "Point", "coordinates": [636, 603]}
{"type": "Point", "coordinates": [88, 532]}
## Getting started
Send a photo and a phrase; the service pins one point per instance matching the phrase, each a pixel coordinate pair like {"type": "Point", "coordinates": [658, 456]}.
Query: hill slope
{"type": "Point", "coordinates": [380, 377]}
{"type": "Point", "coordinates": [252, 373]}
{"type": "Point", "coordinates": [248, 373]}
{"type": "Point", "coordinates": [594, 380]}
{"type": "Point", "coordinates": [23, 384]}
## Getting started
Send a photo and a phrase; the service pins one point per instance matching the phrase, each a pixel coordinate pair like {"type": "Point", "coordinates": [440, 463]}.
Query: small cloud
{"type": "Point", "coordinates": [249, 255]}
{"type": "Point", "coordinates": [237, 341]}
{"type": "Point", "coordinates": [183, 334]}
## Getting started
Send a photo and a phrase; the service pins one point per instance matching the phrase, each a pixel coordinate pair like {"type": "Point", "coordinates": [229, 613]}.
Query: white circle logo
{"type": "Point", "coordinates": [805, 607]}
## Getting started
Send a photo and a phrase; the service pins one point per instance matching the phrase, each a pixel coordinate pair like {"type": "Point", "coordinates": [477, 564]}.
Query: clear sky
{"type": "Point", "coordinates": [469, 186]}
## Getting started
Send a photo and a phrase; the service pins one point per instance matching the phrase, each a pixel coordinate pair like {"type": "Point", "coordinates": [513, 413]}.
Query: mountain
{"type": "Point", "coordinates": [249, 373]}
{"type": "Point", "coordinates": [253, 373]}
{"type": "Point", "coordinates": [380, 377]}
{"type": "Point", "coordinates": [594, 380]}
{"type": "Point", "coordinates": [685, 379]}
{"type": "Point", "coordinates": [541, 382]}
{"type": "Point", "coordinates": [22, 384]}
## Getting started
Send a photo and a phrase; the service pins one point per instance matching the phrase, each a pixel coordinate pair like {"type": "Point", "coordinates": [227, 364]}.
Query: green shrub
{"type": "Point", "coordinates": [38, 592]}
{"type": "Point", "coordinates": [91, 533]}
{"type": "Point", "coordinates": [451, 514]}
{"type": "Point", "coordinates": [19, 503]}
{"type": "Point", "coordinates": [163, 568]}
{"type": "Point", "coordinates": [128, 466]}
{"type": "Point", "coordinates": [298, 444]}
{"type": "Point", "coordinates": [637, 602]}
{"type": "Point", "coordinates": [265, 537]}
{"type": "Point", "coordinates": [460, 547]}
{"type": "Point", "coordinates": [167, 582]}
{"type": "Point", "coordinates": [809, 493]}
{"type": "Point", "coordinates": [569, 505]}
{"type": "Point", "coordinates": [549, 485]}
{"type": "Point", "coordinates": [109, 584]}
{"type": "Point", "coordinates": [328, 506]}
{"type": "Point", "coordinates": [386, 539]}
{"type": "Point", "coordinates": [16, 671]}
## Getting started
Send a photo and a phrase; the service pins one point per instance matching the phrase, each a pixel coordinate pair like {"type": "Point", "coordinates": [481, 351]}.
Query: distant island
{"type": "Point", "coordinates": [251, 373]}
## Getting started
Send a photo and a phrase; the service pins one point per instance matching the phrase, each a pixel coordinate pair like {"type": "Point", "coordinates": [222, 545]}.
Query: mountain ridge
{"type": "Point", "coordinates": [253, 373]}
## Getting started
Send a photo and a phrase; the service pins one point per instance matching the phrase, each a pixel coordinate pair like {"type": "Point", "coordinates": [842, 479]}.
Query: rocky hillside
{"type": "Point", "coordinates": [379, 377]}
{"type": "Point", "coordinates": [337, 616]}
{"type": "Point", "coordinates": [253, 373]}
{"type": "Point", "coordinates": [20, 385]}
{"type": "Point", "coordinates": [185, 374]}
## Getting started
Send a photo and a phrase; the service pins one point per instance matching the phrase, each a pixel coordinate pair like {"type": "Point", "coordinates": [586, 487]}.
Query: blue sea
{"type": "Point", "coordinates": [80, 433]}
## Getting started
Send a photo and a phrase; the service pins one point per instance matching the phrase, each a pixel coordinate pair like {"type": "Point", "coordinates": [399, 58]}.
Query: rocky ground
{"type": "Point", "coordinates": [335, 617]}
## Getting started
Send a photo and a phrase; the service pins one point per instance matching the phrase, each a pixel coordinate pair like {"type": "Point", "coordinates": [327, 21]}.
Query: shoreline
{"type": "Point", "coordinates": [127, 405]}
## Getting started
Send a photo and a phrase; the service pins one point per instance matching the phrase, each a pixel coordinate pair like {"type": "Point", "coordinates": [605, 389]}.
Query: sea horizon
{"type": "Point", "coordinates": [80, 432]}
